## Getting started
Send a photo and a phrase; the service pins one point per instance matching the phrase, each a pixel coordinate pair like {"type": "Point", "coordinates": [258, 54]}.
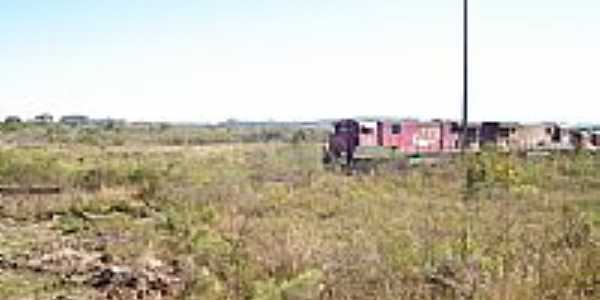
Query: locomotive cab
{"type": "Point", "coordinates": [343, 141]}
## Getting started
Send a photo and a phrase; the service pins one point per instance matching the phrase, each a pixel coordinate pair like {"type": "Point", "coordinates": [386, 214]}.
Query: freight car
{"type": "Point", "coordinates": [353, 140]}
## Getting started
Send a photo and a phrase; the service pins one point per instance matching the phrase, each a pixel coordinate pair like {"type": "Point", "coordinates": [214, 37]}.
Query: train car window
{"type": "Point", "coordinates": [455, 127]}
{"type": "Point", "coordinates": [505, 132]}
{"type": "Point", "coordinates": [343, 129]}
{"type": "Point", "coordinates": [556, 135]}
{"type": "Point", "coordinates": [396, 129]}
{"type": "Point", "coordinates": [366, 130]}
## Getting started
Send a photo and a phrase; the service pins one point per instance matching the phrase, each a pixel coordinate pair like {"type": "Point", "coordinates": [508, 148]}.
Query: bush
{"type": "Point", "coordinates": [29, 167]}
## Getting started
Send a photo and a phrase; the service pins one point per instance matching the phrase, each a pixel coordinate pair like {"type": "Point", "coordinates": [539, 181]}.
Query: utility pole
{"type": "Point", "coordinates": [465, 112]}
{"type": "Point", "coordinates": [465, 140]}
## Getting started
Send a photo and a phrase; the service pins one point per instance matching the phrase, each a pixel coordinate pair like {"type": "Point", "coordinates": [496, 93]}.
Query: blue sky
{"type": "Point", "coordinates": [296, 60]}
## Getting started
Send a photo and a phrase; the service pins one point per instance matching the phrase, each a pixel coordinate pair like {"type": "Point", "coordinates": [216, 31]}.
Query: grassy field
{"type": "Point", "coordinates": [264, 221]}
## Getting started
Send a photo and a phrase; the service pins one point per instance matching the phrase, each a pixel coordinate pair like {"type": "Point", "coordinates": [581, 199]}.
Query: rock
{"type": "Point", "coordinates": [147, 278]}
{"type": "Point", "coordinates": [5, 263]}
{"type": "Point", "coordinates": [113, 276]}
{"type": "Point", "coordinates": [121, 282]}
{"type": "Point", "coordinates": [65, 261]}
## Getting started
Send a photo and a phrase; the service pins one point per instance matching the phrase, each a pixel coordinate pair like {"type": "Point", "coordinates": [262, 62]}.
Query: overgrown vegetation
{"type": "Point", "coordinates": [265, 221]}
{"type": "Point", "coordinates": [152, 134]}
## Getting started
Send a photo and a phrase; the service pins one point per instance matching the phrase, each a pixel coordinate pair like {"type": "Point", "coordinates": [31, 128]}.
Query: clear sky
{"type": "Point", "coordinates": [208, 60]}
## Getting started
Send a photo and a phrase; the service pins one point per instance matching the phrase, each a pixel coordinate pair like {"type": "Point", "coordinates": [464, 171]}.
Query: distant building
{"type": "Point", "coordinates": [75, 120]}
{"type": "Point", "coordinates": [43, 118]}
{"type": "Point", "coordinates": [140, 125]}
{"type": "Point", "coordinates": [233, 123]}
{"type": "Point", "coordinates": [108, 123]}
{"type": "Point", "coordinates": [13, 120]}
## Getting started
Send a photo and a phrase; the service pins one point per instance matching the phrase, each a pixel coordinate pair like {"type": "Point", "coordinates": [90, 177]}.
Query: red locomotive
{"type": "Point", "coordinates": [352, 138]}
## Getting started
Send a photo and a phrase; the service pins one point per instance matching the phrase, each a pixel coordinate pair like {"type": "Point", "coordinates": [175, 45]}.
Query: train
{"type": "Point", "coordinates": [353, 140]}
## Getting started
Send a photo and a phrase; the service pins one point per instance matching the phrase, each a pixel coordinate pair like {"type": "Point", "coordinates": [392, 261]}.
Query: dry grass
{"type": "Point", "coordinates": [264, 221]}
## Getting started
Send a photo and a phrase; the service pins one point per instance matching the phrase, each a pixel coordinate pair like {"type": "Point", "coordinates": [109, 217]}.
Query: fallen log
{"type": "Point", "coordinates": [30, 190]}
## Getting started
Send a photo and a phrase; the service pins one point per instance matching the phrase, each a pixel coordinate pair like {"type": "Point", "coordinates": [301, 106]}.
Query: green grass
{"type": "Point", "coordinates": [591, 208]}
